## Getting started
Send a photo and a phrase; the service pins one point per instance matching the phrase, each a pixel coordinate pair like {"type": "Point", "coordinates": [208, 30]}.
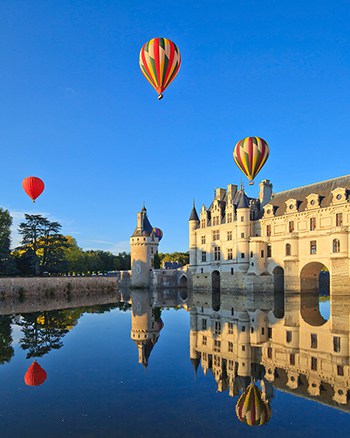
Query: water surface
{"type": "Point", "coordinates": [99, 384]}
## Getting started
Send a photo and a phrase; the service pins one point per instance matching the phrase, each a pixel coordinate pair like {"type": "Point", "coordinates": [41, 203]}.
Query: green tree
{"type": "Point", "coordinates": [42, 245]}
{"type": "Point", "coordinates": [43, 331]}
{"type": "Point", "coordinates": [75, 257]}
{"type": "Point", "coordinates": [156, 261]}
{"type": "Point", "coordinates": [7, 263]}
{"type": "Point", "coordinates": [6, 349]}
{"type": "Point", "coordinates": [124, 261]}
{"type": "Point", "coordinates": [180, 257]}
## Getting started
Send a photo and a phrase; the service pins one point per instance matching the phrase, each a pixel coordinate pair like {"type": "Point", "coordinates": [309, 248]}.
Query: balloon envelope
{"type": "Point", "coordinates": [250, 154]}
{"type": "Point", "coordinates": [158, 233]}
{"type": "Point", "coordinates": [160, 62]}
{"type": "Point", "coordinates": [35, 375]}
{"type": "Point", "coordinates": [33, 186]}
{"type": "Point", "coordinates": [251, 409]}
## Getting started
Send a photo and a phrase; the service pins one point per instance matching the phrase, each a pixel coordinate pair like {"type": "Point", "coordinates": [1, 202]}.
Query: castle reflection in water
{"type": "Point", "coordinates": [276, 342]}
{"type": "Point", "coordinates": [243, 340]}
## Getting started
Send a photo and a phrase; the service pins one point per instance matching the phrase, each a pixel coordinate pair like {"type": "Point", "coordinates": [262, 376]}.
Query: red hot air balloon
{"type": "Point", "coordinates": [33, 186]}
{"type": "Point", "coordinates": [35, 375]}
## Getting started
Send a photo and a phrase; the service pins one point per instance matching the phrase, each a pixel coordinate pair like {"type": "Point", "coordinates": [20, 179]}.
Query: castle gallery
{"type": "Point", "coordinates": [277, 241]}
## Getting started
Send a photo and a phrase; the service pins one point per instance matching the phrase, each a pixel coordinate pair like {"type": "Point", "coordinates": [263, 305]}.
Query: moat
{"type": "Point", "coordinates": [171, 363]}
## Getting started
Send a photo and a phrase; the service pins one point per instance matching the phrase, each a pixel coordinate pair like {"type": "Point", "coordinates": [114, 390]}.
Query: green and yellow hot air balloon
{"type": "Point", "coordinates": [160, 62]}
{"type": "Point", "coordinates": [250, 154]}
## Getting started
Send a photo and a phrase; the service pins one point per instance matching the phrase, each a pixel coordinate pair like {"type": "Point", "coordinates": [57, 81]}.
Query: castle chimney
{"type": "Point", "coordinates": [265, 191]}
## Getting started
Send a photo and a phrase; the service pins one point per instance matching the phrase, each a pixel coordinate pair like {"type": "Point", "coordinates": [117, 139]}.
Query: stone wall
{"type": "Point", "coordinates": [25, 287]}
{"type": "Point", "coordinates": [164, 278]}
{"type": "Point", "coordinates": [238, 282]}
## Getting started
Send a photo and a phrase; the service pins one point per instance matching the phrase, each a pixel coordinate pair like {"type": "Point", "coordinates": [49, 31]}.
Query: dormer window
{"type": "Point", "coordinates": [291, 206]}
{"type": "Point", "coordinates": [339, 195]}
{"type": "Point", "coordinates": [313, 201]}
{"type": "Point", "coordinates": [268, 210]}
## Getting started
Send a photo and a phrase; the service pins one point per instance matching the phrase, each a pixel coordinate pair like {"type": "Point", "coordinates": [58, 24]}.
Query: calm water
{"type": "Point", "coordinates": [102, 383]}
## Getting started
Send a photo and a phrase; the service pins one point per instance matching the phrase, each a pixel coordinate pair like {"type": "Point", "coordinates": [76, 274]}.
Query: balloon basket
{"type": "Point", "coordinates": [160, 96]}
{"type": "Point", "coordinates": [251, 183]}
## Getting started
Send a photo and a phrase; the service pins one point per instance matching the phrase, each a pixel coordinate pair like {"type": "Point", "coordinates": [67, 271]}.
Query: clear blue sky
{"type": "Point", "coordinates": [77, 112]}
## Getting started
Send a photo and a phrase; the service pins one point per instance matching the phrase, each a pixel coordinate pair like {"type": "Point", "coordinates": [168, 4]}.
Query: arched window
{"type": "Point", "coordinates": [288, 249]}
{"type": "Point", "coordinates": [336, 245]}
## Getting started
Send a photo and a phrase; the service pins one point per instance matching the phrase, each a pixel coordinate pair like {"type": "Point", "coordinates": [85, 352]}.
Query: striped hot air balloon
{"type": "Point", "coordinates": [158, 233]}
{"type": "Point", "coordinates": [160, 62]}
{"type": "Point", "coordinates": [251, 409]}
{"type": "Point", "coordinates": [250, 154]}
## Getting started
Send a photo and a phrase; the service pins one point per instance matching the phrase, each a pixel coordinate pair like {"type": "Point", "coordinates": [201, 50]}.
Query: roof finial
{"type": "Point", "coordinates": [242, 185]}
{"type": "Point", "coordinates": [194, 203]}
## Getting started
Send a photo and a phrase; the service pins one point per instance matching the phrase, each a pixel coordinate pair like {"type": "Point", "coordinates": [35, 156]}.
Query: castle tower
{"type": "Point", "coordinates": [193, 224]}
{"type": "Point", "coordinates": [244, 356]}
{"type": "Point", "coordinates": [243, 230]}
{"type": "Point", "coordinates": [143, 247]}
{"type": "Point", "coordinates": [145, 326]}
{"type": "Point", "coordinates": [195, 356]}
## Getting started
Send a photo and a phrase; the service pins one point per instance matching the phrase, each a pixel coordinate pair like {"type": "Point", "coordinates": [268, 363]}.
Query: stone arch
{"type": "Point", "coordinates": [183, 287]}
{"type": "Point", "coordinates": [215, 286]}
{"type": "Point", "coordinates": [314, 282]}
{"type": "Point", "coordinates": [183, 281]}
{"type": "Point", "coordinates": [278, 291]}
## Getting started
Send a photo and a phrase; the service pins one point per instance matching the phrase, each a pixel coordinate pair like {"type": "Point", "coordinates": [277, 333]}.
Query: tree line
{"type": "Point", "coordinates": [44, 250]}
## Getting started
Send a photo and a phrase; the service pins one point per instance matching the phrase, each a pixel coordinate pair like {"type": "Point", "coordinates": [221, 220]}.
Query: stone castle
{"type": "Point", "coordinates": [277, 241]}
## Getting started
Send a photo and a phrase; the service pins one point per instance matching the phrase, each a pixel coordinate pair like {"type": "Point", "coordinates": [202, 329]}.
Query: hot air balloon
{"type": "Point", "coordinates": [35, 375]}
{"type": "Point", "coordinates": [158, 233]}
{"type": "Point", "coordinates": [33, 186]}
{"type": "Point", "coordinates": [160, 62]}
{"type": "Point", "coordinates": [251, 409]}
{"type": "Point", "coordinates": [250, 154]}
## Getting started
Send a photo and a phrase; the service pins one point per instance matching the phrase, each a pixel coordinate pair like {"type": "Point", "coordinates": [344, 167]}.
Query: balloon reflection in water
{"type": "Point", "coordinates": [35, 375]}
{"type": "Point", "coordinates": [251, 409]}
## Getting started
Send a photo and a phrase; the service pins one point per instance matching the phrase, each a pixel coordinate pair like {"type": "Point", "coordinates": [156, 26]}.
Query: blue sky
{"type": "Point", "coordinates": [77, 112]}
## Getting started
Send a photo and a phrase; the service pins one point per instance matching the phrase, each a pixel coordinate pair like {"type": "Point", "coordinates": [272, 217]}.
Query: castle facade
{"type": "Point", "coordinates": [275, 241]}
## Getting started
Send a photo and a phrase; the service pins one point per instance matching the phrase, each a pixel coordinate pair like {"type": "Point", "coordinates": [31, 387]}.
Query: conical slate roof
{"type": "Point", "coordinates": [146, 228]}
{"type": "Point", "coordinates": [195, 363]}
{"type": "Point", "coordinates": [241, 199]}
{"type": "Point", "coordinates": [194, 215]}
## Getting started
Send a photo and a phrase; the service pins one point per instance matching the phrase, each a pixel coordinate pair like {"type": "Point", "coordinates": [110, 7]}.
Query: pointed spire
{"type": "Point", "coordinates": [195, 364]}
{"type": "Point", "coordinates": [241, 199]}
{"type": "Point", "coordinates": [194, 215]}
